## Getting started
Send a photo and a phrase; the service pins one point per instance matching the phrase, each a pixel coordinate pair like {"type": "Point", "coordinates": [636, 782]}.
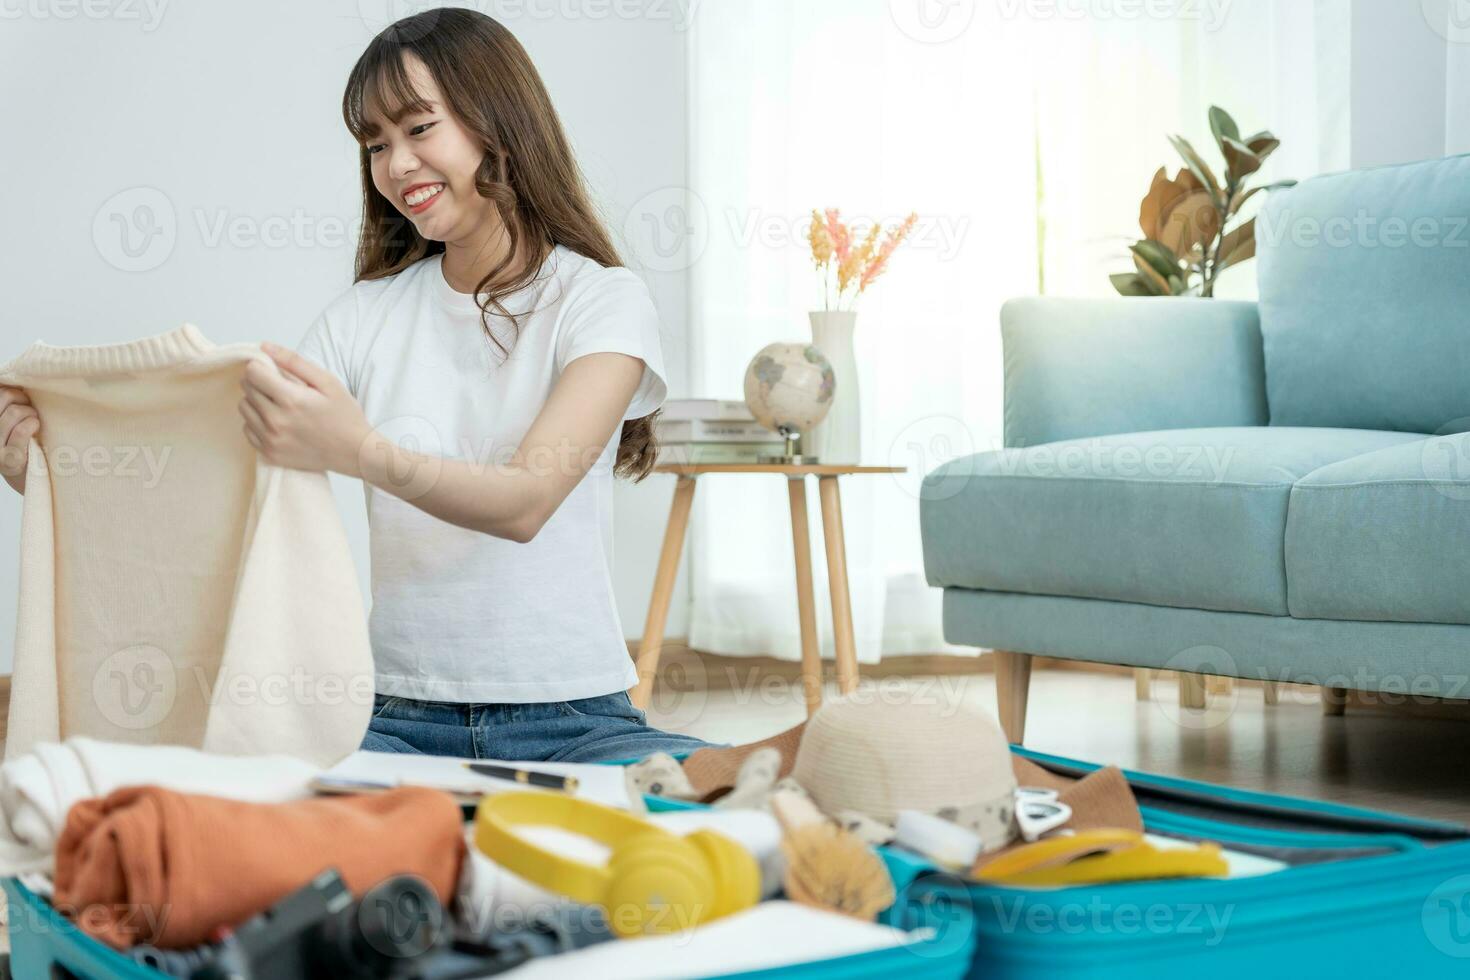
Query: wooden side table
{"type": "Point", "coordinates": [673, 549]}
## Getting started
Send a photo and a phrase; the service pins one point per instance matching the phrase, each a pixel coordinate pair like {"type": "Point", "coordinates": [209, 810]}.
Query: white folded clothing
{"type": "Point", "coordinates": [38, 788]}
{"type": "Point", "coordinates": [491, 899]}
{"type": "Point", "coordinates": [768, 936]}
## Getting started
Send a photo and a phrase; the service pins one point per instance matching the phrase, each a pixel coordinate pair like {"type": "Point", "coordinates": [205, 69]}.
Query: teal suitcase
{"type": "Point", "coordinates": [44, 945]}
{"type": "Point", "coordinates": [1364, 895]}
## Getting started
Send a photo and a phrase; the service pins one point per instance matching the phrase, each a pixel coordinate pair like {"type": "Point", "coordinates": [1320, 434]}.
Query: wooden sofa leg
{"type": "Point", "coordinates": [1191, 690]}
{"type": "Point", "coordinates": [1334, 701]}
{"type": "Point", "coordinates": [1142, 682]}
{"type": "Point", "coordinates": [1012, 683]}
{"type": "Point", "coordinates": [1271, 692]}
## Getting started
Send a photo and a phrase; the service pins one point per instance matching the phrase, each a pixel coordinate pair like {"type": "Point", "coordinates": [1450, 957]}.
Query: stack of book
{"type": "Point", "coordinates": [712, 430]}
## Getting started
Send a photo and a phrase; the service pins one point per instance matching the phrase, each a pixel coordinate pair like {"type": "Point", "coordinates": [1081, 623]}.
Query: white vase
{"type": "Point", "coordinates": [838, 437]}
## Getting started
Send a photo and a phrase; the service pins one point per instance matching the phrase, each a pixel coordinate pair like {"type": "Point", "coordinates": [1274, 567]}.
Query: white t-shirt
{"type": "Point", "coordinates": [459, 615]}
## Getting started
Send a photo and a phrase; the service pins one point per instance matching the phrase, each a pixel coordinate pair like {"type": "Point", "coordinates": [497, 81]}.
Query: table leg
{"type": "Point", "coordinates": [811, 654]}
{"type": "Point", "coordinates": [842, 636]}
{"type": "Point", "coordinates": [663, 590]}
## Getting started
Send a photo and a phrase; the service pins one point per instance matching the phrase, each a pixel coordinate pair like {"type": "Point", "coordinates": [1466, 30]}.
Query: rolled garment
{"type": "Point", "coordinates": [490, 898]}
{"type": "Point", "coordinates": [175, 587]}
{"type": "Point", "coordinates": [149, 865]}
{"type": "Point", "coordinates": [38, 788]}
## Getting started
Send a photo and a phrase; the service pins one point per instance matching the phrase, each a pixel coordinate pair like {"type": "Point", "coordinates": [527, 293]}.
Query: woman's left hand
{"type": "Point", "coordinates": [305, 420]}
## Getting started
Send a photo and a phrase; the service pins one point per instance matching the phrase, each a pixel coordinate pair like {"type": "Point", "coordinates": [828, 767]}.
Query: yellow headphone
{"type": "Point", "coordinates": [654, 881]}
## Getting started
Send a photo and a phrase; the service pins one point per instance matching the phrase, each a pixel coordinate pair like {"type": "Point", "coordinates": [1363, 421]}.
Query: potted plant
{"type": "Point", "coordinates": [1191, 227]}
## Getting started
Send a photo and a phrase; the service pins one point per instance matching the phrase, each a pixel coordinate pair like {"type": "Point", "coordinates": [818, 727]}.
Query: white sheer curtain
{"type": "Point", "coordinates": [1024, 140]}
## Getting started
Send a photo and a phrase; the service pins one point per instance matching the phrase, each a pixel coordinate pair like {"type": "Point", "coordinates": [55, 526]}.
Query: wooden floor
{"type": "Point", "coordinates": [1387, 760]}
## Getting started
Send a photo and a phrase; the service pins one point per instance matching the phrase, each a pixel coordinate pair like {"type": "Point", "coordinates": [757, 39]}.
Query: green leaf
{"type": "Point", "coordinates": [1241, 196]}
{"type": "Point", "coordinates": [1222, 126]}
{"type": "Point", "coordinates": [1198, 167]}
{"type": "Point", "coordinates": [1130, 284]}
{"type": "Point", "coordinates": [1159, 267]}
{"type": "Point", "coordinates": [1158, 256]}
{"type": "Point", "coordinates": [1157, 284]}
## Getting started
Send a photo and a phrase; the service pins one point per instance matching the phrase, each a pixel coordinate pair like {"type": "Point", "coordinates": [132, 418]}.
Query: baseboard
{"type": "Point", "coordinates": [678, 650]}
{"type": "Point", "coordinates": [722, 673]}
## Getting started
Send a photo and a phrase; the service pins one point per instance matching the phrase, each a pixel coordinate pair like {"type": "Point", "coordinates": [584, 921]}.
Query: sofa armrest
{"type": "Point", "coordinates": [1076, 368]}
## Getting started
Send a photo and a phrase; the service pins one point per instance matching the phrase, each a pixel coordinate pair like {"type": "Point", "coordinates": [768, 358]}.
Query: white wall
{"type": "Point", "coordinates": [1451, 19]}
{"type": "Point", "coordinates": [1457, 85]}
{"type": "Point", "coordinates": [231, 113]}
{"type": "Point", "coordinates": [1410, 80]}
{"type": "Point", "coordinates": [228, 115]}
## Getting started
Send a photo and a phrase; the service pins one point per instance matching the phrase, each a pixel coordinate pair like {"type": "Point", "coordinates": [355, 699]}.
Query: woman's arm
{"type": "Point", "coordinates": [513, 498]}
{"type": "Point", "coordinates": [307, 420]}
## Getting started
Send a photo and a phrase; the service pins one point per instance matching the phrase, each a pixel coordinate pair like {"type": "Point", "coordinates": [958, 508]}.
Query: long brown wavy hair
{"type": "Point", "coordinates": [493, 89]}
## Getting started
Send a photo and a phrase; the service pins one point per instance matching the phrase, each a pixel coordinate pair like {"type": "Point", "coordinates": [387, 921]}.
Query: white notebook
{"type": "Point", "coordinates": [365, 770]}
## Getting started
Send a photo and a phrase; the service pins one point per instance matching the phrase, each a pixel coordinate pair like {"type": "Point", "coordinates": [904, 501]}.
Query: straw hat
{"type": "Point", "coordinates": [870, 755]}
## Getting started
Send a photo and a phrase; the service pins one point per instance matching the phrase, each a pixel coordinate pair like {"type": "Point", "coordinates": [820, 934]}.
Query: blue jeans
{"type": "Point", "coordinates": [602, 729]}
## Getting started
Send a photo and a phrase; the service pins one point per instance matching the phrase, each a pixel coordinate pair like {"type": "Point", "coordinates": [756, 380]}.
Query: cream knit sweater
{"type": "Point", "coordinates": [174, 587]}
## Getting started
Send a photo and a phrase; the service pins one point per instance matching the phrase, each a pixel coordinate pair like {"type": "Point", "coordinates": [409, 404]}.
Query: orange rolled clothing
{"type": "Point", "coordinates": [150, 865]}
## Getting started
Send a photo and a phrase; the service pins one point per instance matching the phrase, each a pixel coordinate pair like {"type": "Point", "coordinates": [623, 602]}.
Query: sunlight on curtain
{"type": "Point", "coordinates": [992, 127]}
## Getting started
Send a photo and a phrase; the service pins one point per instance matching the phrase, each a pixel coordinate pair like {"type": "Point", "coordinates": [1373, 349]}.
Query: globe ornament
{"type": "Point", "coordinates": [788, 388]}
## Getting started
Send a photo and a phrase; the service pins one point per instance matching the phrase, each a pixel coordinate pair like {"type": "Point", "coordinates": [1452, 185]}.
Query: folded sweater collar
{"type": "Point", "coordinates": [161, 351]}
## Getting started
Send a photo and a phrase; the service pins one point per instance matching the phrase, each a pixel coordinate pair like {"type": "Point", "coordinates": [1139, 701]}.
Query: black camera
{"type": "Point", "coordinates": [394, 931]}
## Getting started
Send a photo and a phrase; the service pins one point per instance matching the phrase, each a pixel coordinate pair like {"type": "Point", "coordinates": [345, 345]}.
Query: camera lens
{"type": "Point", "coordinates": [387, 934]}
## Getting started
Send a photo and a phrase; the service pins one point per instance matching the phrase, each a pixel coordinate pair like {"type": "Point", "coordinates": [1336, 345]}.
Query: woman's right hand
{"type": "Point", "coordinates": [19, 421]}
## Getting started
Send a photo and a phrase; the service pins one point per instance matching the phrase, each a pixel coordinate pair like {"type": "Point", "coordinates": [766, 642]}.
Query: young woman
{"type": "Point", "coordinates": [488, 373]}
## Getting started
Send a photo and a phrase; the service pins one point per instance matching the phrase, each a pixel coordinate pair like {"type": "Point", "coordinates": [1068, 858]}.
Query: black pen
{"type": "Point", "coordinates": [546, 780]}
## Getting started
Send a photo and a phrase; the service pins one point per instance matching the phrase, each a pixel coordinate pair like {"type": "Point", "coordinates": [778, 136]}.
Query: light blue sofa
{"type": "Point", "coordinates": [1277, 490]}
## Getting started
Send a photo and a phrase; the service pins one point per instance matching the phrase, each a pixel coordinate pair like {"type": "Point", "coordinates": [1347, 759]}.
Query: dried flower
{"type": "Point", "coordinates": [866, 249]}
{"type": "Point", "coordinates": [820, 240]}
{"type": "Point", "coordinates": [841, 236]}
{"type": "Point", "coordinates": [876, 267]}
{"type": "Point", "coordinates": [856, 265]}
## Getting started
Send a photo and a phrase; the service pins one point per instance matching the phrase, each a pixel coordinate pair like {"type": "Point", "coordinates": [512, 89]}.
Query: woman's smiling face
{"type": "Point", "coordinates": [425, 164]}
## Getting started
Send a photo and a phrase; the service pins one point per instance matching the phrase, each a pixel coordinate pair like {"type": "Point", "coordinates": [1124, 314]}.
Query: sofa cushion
{"type": "Point", "coordinates": [1185, 517]}
{"type": "Point", "coordinates": [1364, 296]}
{"type": "Point", "coordinates": [1384, 536]}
